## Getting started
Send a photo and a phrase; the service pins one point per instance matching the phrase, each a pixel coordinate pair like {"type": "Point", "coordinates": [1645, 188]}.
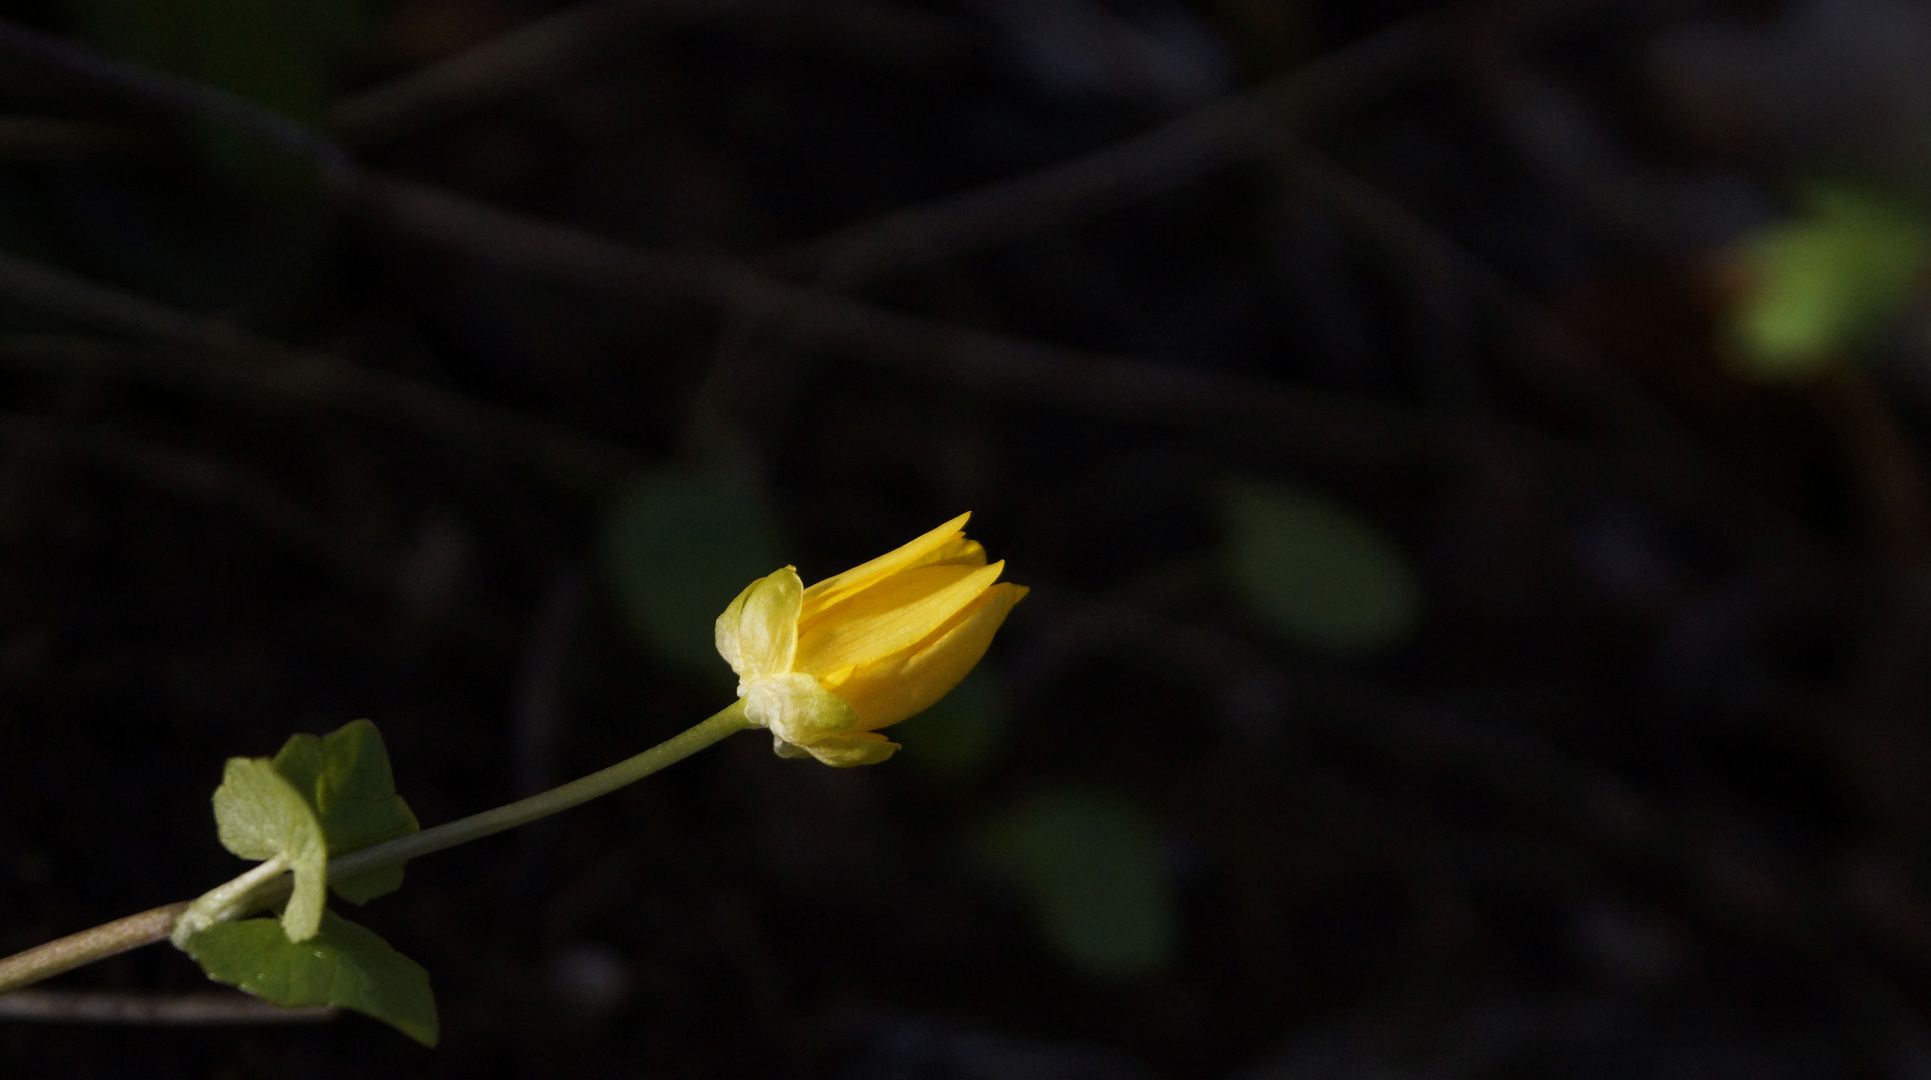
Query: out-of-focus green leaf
{"type": "Point", "coordinates": [1818, 285]}
{"type": "Point", "coordinates": [1090, 864]}
{"type": "Point", "coordinates": [260, 815]}
{"type": "Point", "coordinates": [956, 737]}
{"type": "Point", "coordinates": [344, 965]}
{"type": "Point", "coordinates": [1314, 570]}
{"type": "Point", "coordinates": [345, 778]}
{"type": "Point", "coordinates": [259, 240]}
{"type": "Point", "coordinates": [677, 547]}
{"type": "Point", "coordinates": [278, 53]}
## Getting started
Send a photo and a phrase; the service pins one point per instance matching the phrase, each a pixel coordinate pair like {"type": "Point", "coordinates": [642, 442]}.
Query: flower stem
{"type": "Point", "coordinates": [99, 943]}
{"type": "Point", "coordinates": [727, 721]}
{"type": "Point", "coordinates": [148, 927]}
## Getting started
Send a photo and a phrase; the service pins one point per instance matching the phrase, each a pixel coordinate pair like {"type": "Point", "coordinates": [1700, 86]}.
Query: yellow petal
{"type": "Point", "coordinates": [893, 614]}
{"type": "Point", "coordinates": [758, 634]}
{"type": "Point", "coordinates": [956, 552]}
{"type": "Point", "coordinates": [832, 589]}
{"type": "Point", "coordinates": [897, 687]}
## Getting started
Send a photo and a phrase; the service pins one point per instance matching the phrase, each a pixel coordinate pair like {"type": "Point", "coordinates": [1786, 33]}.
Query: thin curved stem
{"type": "Point", "coordinates": [148, 927]}
{"type": "Point", "coordinates": [727, 721]}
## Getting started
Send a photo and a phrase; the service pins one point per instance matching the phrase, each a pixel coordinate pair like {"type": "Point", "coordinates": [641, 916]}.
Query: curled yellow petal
{"type": "Point", "coordinates": [891, 615]}
{"type": "Point", "coordinates": [832, 589]}
{"type": "Point", "coordinates": [903, 685]}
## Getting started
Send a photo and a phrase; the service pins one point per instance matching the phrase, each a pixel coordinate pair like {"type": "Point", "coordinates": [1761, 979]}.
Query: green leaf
{"type": "Point", "coordinates": [1090, 864]}
{"type": "Point", "coordinates": [344, 965]}
{"type": "Point", "coordinates": [677, 547]}
{"type": "Point", "coordinates": [1314, 570]}
{"type": "Point", "coordinates": [278, 53]}
{"type": "Point", "coordinates": [957, 736]}
{"type": "Point", "coordinates": [255, 247]}
{"type": "Point", "coordinates": [260, 815]}
{"type": "Point", "coordinates": [1817, 286]}
{"type": "Point", "coordinates": [346, 779]}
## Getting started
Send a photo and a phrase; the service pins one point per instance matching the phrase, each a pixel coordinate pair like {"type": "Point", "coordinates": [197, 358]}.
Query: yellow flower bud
{"type": "Point", "coordinates": [824, 668]}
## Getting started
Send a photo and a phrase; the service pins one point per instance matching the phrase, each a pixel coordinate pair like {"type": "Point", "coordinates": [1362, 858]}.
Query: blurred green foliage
{"type": "Point", "coordinates": [956, 738]}
{"type": "Point", "coordinates": [677, 547]}
{"type": "Point", "coordinates": [1089, 864]}
{"type": "Point", "coordinates": [251, 238]}
{"type": "Point", "coordinates": [278, 53]}
{"type": "Point", "coordinates": [1314, 570]}
{"type": "Point", "coordinates": [1818, 286]}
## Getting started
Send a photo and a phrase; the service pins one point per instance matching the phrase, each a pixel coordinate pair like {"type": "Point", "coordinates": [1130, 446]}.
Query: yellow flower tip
{"type": "Point", "coordinates": [825, 667]}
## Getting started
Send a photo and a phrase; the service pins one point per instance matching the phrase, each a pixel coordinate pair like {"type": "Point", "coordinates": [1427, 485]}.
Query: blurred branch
{"type": "Point", "coordinates": [176, 92]}
{"type": "Point", "coordinates": [1545, 353]}
{"type": "Point", "coordinates": [1337, 425]}
{"type": "Point", "coordinates": [1330, 424]}
{"type": "Point", "coordinates": [536, 53]}
{"type": "Point", "coordinates": [499, 68]}
{"type": "Point", "coordinates": [225, 356]}
{"type": "Point", "coordinates": [212, 481]}
{"type": "Point", "coordinates": [1169, 156]}
{"type": "Point", "coordinates": [1738, 886]}
{"type": "Point", "coordinates": [45, 138]}
{"type": "Point", "coordinates": [94, 1007]}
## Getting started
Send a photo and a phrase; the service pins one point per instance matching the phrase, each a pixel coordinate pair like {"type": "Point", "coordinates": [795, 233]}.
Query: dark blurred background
{"type": "Point", "coordinates": [1469, 460]}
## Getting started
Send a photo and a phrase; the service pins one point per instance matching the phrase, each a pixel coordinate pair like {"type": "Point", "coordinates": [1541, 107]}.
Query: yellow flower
{"type": "Point", "coordinates": [824, 668]}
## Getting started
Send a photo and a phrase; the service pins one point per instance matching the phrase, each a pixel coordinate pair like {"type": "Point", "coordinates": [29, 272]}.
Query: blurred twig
{"type": "Point", "coordinates": [499, 68]}
{"type": "Point", "coordinates": [1132, 389]}
{"type": "Point", "coordinates": [1562, 367]}
{"type": "Point", "coordinates": [540, 681]}
{"type": "Point", "coordinates": [45, 138]}
{"type": "Point", "coordinates": [1128, 388]}
{"type": "Point", "coordinates": [1168, 156]}
{"type": "Point", "coordinates": [96, 1007]}
{"type": "Point", "coordinates": [540, 51]}
{"type": "Point", "coordinates": [209, 480]}
{"type": "Point", "coordinates": [176, 92]}
{"type": "Point", "coordinates": [227, 357]}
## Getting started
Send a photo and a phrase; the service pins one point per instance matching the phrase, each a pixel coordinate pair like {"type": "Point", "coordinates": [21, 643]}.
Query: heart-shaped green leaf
{"type": "Point", "coordinates": [345, 777]}
{"type": "Point", "coordinates": [343, 965]}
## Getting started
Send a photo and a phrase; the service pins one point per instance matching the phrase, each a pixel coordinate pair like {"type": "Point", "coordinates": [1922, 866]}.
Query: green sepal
{"type": "Point", "coordinates": [345, 777]}
{"type": "Point", "coordinates": [260, 815]}
{"type": "Point", "coordinates": [344, 966]}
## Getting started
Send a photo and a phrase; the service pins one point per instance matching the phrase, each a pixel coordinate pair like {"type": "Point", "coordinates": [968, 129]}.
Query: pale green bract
{"type": "Point", "coordinates": [260, 815]}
